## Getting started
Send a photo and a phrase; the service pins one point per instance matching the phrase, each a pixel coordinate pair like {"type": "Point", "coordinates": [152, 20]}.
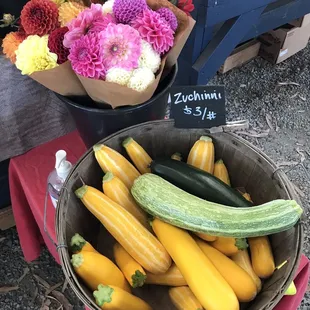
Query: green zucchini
{"type": "Point", "coordinates": [198, 182]}
{"type": "Point", "coordinates": [179, 208]}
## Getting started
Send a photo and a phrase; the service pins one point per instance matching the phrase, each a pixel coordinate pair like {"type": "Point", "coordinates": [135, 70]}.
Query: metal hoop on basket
{"type": "Point", "coordinates": [45, 215]}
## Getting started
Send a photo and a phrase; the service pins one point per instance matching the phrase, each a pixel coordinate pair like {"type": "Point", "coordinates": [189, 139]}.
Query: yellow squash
{"type": "Point", "coordinates": [201, 154]}
{"type": "Point", "coordinates": [262, 257]}
{"type": "Point", "coordinates": [126, 229]}
{"type": "Point", "coordinates": [239, 280]}
{"type": "Point", "coordinates": [133, 271]}
{"type": "Point", "coordinates": [115, 189]}
{"type": "Point", "coordinates": [173, 277]}
{"type": "Point", "coordinates": [229, 246]}
{"type": "Point", "coordinates": [220, 171]}
{"type": "Point", "coordinates": [184, 299]}
{"type": "Point", "coordinates": [110, 160]}
{"type": "Point", "coordinates": [204, 280]}
{"type": "Point", "coordinates": [176, 156]}
{"type": "Point", "coordinates": [114, 298]}
{"type": "Point", "coordinates": [292, 290]}
{"type": "Point", "coordinates": [94, 269]}
{"type": "Point", "coordinates": [138, 155]}
{"type": "Point", "coordinates": [78, 244]}
{"type": "Point", "coordinates": [206, 237]}
{"type": "Point", "coordinates": [242, 259]}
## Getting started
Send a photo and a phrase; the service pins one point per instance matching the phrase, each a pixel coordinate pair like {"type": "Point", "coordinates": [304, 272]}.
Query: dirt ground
{"type": "Point", "coordinates": [275, 100]}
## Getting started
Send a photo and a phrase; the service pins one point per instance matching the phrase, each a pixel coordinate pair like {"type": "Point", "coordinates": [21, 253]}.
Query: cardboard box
{"type": "Point", "coordinates": [301, 22]}
{"type": "Point", "coordinates": [241, 55]}
{"type": "Point", "coordinates": [6, 218]}
{"type": "Point", "coordinates": [282, 43]}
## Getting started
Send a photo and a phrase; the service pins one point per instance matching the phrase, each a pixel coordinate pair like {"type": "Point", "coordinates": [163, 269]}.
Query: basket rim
{"type": "Point", "coordinates": [283, 179]}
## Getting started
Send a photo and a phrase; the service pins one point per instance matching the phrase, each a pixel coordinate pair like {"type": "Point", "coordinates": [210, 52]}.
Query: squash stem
{"type": "Point", "coordinates": [77, 243]}
{"type": "Point", "coordinates": [138, 279]}
{"type": "Point", "coordinates": [127, 141]}
{"type": "Point", "coordinates": [97, 147]}
{"type": "Point", "coordinates": [77, 260]}
{"type": "Point", "coordinates": [205, 138]}
{"type": "Point", "coordinates": [220, 161]}
{"type": "Point", "coordinates": [108, 177]}
{"type": "Point", "coordinates": [241, 243]}
{"type": "Point", "coordinates": [103, 294]}
{"type": "Point", "coordinates": [81, 191]}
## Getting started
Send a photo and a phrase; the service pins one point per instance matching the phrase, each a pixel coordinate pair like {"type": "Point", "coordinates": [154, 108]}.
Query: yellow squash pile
{"type": "Point", "coordinates": [203, 272]}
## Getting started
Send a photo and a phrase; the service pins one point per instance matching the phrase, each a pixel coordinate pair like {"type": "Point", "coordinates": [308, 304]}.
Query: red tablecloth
{"type": "Point", "coordinates": [28, 178]}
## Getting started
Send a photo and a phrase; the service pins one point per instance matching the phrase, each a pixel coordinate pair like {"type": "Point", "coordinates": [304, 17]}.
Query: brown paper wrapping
{"type": "Point", "coordinates": [117, 95]}
{"type": "Point", "coordinates": [61, 80]}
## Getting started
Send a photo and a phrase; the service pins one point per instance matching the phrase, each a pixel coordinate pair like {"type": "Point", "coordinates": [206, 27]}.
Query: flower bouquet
{"type": "Point", "coordinates": [116, 52]}
{"type": "Point", "coordinates": [119, 50]}
{"type": "Point", "coordinates": [37, 49]}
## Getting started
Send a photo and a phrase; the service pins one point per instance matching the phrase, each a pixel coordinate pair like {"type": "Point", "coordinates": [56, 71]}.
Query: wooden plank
{"type": "Point", "coordinates": [277, 17]}
{"type": "Point", "coordinates": [6, 218]}
{"type": "Point", "coordinates": [193, 46]}
{"type": "Point", "coordinates": [207, 37]}
{"type": "Point", "coordinates": [220, 47]}
{"type": "Point", "coordinates": [228, 9]}
{"type": "Point", "coordinates": [184, 73]}
{"type": "Point", "coordinates": [223, 3]}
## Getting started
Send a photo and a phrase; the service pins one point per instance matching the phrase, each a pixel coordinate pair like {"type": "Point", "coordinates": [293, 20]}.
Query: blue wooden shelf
{"type": "Point", "coordinates": [223, 24]}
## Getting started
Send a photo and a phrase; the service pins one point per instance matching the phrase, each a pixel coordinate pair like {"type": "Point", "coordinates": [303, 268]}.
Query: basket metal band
{"type": "Point", "coordinates": [61, 246]}
{"type": "Point", "coordinates": [45, 219]}
{"type": "Point", "coordinates": [231, 126]}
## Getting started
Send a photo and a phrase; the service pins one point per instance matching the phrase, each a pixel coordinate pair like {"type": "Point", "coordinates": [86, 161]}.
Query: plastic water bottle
{"type": "Point", "coordinates": [57, 177]}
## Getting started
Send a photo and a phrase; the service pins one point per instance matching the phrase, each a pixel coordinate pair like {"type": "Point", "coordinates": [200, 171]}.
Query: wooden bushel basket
{"type": "Point", "coordinates": [248, 168]}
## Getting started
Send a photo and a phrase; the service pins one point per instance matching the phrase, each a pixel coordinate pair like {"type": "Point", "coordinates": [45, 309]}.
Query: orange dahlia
{"type": "Point", "coordinates": [39, 17]}
{"type": "Point", "coordinates": [68, 11]}
{"type": "Point", "coordinates": [10, 44]}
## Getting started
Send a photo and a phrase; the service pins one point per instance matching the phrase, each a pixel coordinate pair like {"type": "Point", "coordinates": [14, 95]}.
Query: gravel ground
{"type": "Point", "coordinates": [278, 115]}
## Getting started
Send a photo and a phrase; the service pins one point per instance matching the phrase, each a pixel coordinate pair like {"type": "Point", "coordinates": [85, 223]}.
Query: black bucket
{"type": "Point", "coordinates": [95, 124]}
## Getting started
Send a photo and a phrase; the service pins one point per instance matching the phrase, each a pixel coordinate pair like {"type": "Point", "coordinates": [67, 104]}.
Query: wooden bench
{"type": "Point", "coordinates": [223, 24]}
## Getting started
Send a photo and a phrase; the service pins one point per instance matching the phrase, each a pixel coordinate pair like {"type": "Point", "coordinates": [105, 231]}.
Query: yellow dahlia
{"type": "Point", "coordinates": [34, 55]}
{"type": "Point", "coordinates": [10, 44]}
{"type": "Point", "coordinates": [59, 2]}
{"type": "Point", "coordinates": [69, 11]}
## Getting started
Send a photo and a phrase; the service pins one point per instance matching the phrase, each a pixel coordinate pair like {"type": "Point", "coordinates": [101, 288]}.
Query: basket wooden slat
{"type": "Point", "coordinates": [248, 168]}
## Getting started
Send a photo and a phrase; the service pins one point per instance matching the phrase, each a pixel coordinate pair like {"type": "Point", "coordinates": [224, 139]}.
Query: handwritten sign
{"type": "Point", "coordinates": [197, 106]}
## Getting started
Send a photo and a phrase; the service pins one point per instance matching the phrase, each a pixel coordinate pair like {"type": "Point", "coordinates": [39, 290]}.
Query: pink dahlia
{"type": "Point", "coordinates": [154, 30]}
{"type": "Point", "coordinates": [86, 57]}
{"type": "Point", "coordinates": [90, 20]}
{"type": "Point", "coordinates": [169, 17]}
{"type": "Point", "coordinates": [121, 45]}
{"type": "Point", "coordinates": [127, 10]}
{"type": "Point", "coordinates": [102, 23]}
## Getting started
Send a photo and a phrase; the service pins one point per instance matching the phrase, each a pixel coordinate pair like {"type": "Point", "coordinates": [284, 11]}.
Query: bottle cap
{"type": "Point", "coordinates": [62, 166]}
